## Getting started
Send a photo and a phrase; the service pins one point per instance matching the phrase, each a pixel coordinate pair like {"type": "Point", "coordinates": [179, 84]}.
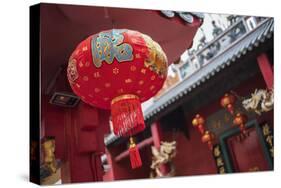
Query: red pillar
{"type": "Point", "coordinates": [156, 136]}
{"type": "Point", "coordinates": [266, 69]}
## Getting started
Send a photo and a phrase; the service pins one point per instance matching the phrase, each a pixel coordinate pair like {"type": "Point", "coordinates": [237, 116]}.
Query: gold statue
{"type": "Point", "coordinates": [163, 156]}
{"type": "Point", "coordinates": [260, 101]}
{"type": "Point", "coordinates": [49, 154]}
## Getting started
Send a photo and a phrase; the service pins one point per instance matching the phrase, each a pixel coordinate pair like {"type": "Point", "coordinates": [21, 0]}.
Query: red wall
{"type": "Point", "coordinates": [247, 154]}
{"type": "Point", "coordinates": [193, 157]}
{"type": "Point", "coordinates": [79, 136]}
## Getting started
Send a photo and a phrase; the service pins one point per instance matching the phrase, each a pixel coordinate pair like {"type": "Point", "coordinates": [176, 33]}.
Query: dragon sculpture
{"type": "Point", "coordinates": [163, 156]}
{"type": "Point", "coordinates": [260, 101]}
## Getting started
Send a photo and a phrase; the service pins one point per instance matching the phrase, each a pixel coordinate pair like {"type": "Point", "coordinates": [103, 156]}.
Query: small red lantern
{"type": "Point", "coordinates": [208, 138]}
{"type": "Point", "coordinates": [118, 69]}
{"type": "Point", "coordinates": [240, 120]}
{"type": "Point", "coordinates": [198, 122]}
{"type": "Point", "coordinates": [228, 101]}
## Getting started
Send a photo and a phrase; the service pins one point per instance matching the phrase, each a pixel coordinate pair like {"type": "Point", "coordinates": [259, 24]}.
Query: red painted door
{"type": "Point", "coordinates": [247, 154]}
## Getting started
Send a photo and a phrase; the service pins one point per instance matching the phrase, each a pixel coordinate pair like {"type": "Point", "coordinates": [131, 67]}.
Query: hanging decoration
{"type": "Point", "coordinates": [134, 154]}
{"type": "Point", "coordinates": [198, 121]}
{"type": "Point", "coordinates": [240, 120]}
{"type": "Point", "coordinates": [118, 69]}
{"type": "Point", "coordinates": [228, 101]}
{"type": "Point", "coordinates": [261, 100]}
{"type": "Point", "coordinates": [208, 137]}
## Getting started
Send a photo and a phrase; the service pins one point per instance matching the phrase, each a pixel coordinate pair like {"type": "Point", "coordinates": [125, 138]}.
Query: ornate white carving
{"type": "Point", "coordinates": [163, 156]}
{"type": "Point", "coordinates": [260, 101]}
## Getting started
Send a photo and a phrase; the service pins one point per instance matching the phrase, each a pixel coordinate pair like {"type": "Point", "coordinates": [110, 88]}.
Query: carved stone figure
{"type": "Point", "coordinates": [260, 101]}
{"type": "Point", "coordinates": [49, 154]}
{"type": "Point", "coordinates": [163, 156]}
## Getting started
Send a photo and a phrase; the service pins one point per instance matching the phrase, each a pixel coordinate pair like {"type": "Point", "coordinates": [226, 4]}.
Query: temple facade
{"type": "Point", "coordinates": [226, 81]}
{"type": "Point", "coordinates": [244, 68]}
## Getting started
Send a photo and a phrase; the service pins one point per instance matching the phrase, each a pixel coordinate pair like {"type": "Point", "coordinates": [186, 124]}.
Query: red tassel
{"type": "Point", "coordinates": [127, 117]}
{"type": "Point", "coordinates": [134, 155]}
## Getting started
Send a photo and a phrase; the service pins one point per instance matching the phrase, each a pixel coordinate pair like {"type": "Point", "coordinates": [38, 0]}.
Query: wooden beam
{"type": "Point", "coordinates": [266, 69]}
{"type": "Point", "coordinates": [140, 145]}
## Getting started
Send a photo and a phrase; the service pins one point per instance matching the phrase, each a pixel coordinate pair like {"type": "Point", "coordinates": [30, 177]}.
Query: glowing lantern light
{"type": "Point", "coordinates": [240, 120]}
{"type": "Point", "coordinates": [198, 122]}
{"type": "Point", "coordinates": [228, 101]}
{"type": "Point", "coordinates": [208, 138]}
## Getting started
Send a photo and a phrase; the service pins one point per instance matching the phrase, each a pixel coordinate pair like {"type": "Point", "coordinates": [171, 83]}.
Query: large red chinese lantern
{"type": "Point", "coordinates": [118, 69]}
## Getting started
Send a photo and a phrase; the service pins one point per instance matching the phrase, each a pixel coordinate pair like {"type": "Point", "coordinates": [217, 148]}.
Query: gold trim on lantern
{"type": "Point", "coordinates": [132, 142]}
{"type": "Point", "coordinates": [156, 60]}
{"type": "Point", "coordinates": [72, 72]}
{"type": "Point", "coordinates": [122, 97]}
